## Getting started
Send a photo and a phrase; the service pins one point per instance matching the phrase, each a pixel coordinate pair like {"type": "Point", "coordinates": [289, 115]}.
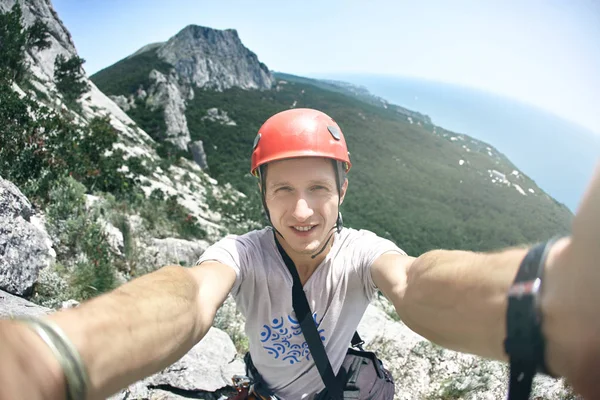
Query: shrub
{"type": "Point", "coordinates": [80, 241]}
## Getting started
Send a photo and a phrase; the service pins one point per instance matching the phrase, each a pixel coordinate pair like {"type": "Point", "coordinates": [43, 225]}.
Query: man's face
{"type": "Point", "coordinates": [302, 198]}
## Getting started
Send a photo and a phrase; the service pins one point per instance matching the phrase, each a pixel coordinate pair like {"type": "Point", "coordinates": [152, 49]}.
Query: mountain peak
{"type": "Point", "coordinates": [214, 58]}
{"type": "Point", "coordinates": [199, 30]}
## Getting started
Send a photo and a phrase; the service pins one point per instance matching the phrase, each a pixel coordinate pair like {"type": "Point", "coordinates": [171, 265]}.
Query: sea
{"type": "Point", "coordinates": [558, 154]}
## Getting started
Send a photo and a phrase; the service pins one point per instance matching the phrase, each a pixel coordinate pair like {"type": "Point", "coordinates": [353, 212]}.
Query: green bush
{"type": "Point", "coordinates": [95, 275]}
{"type": "Point", "coordinates": [80, 240]}
{"type": "Point", "coordinates": [38, 147]}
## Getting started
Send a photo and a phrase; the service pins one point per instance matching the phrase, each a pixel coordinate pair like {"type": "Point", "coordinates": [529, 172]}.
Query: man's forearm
{"type": "Point", "coordinates": [457, 299]}
{"type": "Point", "coordinates": [145, 325]}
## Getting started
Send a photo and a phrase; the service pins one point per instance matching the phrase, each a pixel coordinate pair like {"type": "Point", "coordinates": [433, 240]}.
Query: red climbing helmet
{"type": "Point", "coordinates": [299, 132]}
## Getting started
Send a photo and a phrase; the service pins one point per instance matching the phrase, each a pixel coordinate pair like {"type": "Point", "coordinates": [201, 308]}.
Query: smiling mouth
{"type": "Point", "coordinates": [303, 228]}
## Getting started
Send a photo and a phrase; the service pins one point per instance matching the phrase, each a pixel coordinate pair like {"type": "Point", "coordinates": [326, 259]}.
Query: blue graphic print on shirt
{"type": "Point", "coordinates": [277, 339]}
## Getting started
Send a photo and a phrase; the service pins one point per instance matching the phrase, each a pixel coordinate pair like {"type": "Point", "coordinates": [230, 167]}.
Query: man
{"type": "Point", "coordinates": [457, 299]}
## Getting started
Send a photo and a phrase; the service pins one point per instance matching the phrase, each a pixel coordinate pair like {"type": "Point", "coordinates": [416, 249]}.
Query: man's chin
{"type": "Point", "coordinates": [308, 249]}
{"type": "Point", "coordinates": [304, 246]}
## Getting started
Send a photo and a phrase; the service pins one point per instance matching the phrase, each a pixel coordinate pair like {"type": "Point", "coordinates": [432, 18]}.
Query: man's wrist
{"type": "Point", "coordinates": [45, 372]}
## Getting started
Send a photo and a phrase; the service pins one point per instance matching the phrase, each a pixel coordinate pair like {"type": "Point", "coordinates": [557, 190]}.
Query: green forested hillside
{"type": "Point", "coordinates": [406, 183]}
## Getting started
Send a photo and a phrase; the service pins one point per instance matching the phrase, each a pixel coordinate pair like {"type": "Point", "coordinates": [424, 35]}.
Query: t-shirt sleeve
{"type": "Point", "coordinates": [369, 247]}
{"type": "Point", "coordinates": [231, 251]}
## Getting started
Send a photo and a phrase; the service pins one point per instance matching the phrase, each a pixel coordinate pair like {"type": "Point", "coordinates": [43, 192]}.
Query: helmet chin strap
{"type": "Point", "coordinates": [338, 227]}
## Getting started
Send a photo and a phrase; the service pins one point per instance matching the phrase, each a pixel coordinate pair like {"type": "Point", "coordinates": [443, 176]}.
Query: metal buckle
{"type": "Point", "coordinates": [240, 382]}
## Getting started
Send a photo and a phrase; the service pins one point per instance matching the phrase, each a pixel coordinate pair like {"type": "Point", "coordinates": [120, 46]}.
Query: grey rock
{"type": "Point", "coordinates": [217, 59]}
{"type": "Point", "coordinates": [13, 306]}
{"type": "Point", "coordinates": [13, 203]}
{"type": "Point", "coordinates": [70, 304]}
{"type": "Point", "coordinates": [24, 247]}
{"type": "Point", "coordinates": [141, 93]}
{"type": "Point", "coordinates": [23, 253]}
{"type": "Point", "coordinates": [114, 236]}
{"type": "Point", "coordinates": [207, 368]}
{"type": "Point", "coordinates": [197, 150]}
{"type": "Point", "coordinates": [166, 93]}
{"type": "Point", "coordinates": [167, 251]}
{"type": "Point", "coordinates": [123, 102]}
{"type": "Point", "coordinates": [422, 369]}
{"type": "Point", "coordinates": [216, 115]}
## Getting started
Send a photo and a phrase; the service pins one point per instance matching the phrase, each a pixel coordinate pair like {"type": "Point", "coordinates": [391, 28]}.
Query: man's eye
{"type": "Point", "coordinates": [283, 189]}
{"type": "Point", "coordinates": [319, 187]}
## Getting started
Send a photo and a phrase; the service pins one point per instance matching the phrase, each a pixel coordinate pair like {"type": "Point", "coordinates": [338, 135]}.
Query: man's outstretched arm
{"type": "Point", "coordinates": [130, 333]}
{"type": "Point", "coordinates": [458, 299]}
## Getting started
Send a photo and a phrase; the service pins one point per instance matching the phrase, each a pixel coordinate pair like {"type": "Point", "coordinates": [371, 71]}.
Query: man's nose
{"type": "Point", "coordinates": [302, 210]}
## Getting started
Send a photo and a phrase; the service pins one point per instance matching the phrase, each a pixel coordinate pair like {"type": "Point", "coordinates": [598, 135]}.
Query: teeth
{"type": "Point", "coordinates": [303, 228]}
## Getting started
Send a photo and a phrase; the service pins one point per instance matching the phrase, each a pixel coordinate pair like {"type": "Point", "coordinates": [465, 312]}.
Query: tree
{"type": "Point", "coordinates": [15, 40]}
{"type": "Point", "coordinates": [69, 77]}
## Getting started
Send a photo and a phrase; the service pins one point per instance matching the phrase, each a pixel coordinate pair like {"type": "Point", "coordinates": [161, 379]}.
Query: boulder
{"type": "Point", "coordinates": [25, 247]}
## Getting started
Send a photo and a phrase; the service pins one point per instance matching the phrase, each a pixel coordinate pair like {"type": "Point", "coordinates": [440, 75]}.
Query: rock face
{"type": "Point", "coordinates": [197, 149]}
{"type": "Point", "coordinates": [123, 102]}
{"type": "Point", "coordinates": [201, 58]}
{"type": "Point", "coordinates": [216, 59]}
{"type": "Point", "coordinates": [220, 116]}
{"type": "Point", "coordinates": [166, 93]}
{"type": "Point", "coordinates": [175, 251]}
{"type": "Point", "coordinates": [25, 247]}
{"type": "Point", "coordinates": [13, 306]}
{"type": "Point", "coordinates": [13, 203]}
{"type": "Point", "coordinates": [42, 63]}
{"type": "Point", "coordinates": [207, 368]}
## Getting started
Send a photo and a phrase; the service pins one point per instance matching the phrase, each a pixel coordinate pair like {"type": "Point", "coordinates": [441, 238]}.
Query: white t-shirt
{"type": "Point", "coordinates": [338, 293]}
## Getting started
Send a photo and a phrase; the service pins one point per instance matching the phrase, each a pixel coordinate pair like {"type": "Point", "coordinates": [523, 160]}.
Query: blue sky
{"type": "Point", "coordinates": [546, 53]}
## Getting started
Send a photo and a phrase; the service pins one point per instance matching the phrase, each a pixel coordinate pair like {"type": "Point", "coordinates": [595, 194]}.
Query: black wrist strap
{"type": "Point", "coordinates": [524, 341]}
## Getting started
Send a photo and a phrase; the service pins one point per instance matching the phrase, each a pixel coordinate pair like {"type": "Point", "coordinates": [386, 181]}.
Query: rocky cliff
{"type": "Point", "coordinates": [196, 58]}
{"type": "Point", "coordinates": [215, 59]}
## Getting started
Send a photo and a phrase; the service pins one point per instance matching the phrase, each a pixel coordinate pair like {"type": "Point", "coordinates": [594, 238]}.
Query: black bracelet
{"type": "Point", "coordinates": [524, 341]}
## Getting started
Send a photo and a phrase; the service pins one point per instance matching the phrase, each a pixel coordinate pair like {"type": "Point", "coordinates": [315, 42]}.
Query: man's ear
{"type": "Point", "coordinates": [344, 189]}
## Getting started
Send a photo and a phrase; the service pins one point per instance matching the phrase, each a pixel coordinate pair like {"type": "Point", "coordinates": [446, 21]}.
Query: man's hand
{"type": "Point", "coordinates": [123, 336]}
{"type": "Point", "coordinates": [571, 299]}
{"type": "Point", "coordinates": [28, 369]}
